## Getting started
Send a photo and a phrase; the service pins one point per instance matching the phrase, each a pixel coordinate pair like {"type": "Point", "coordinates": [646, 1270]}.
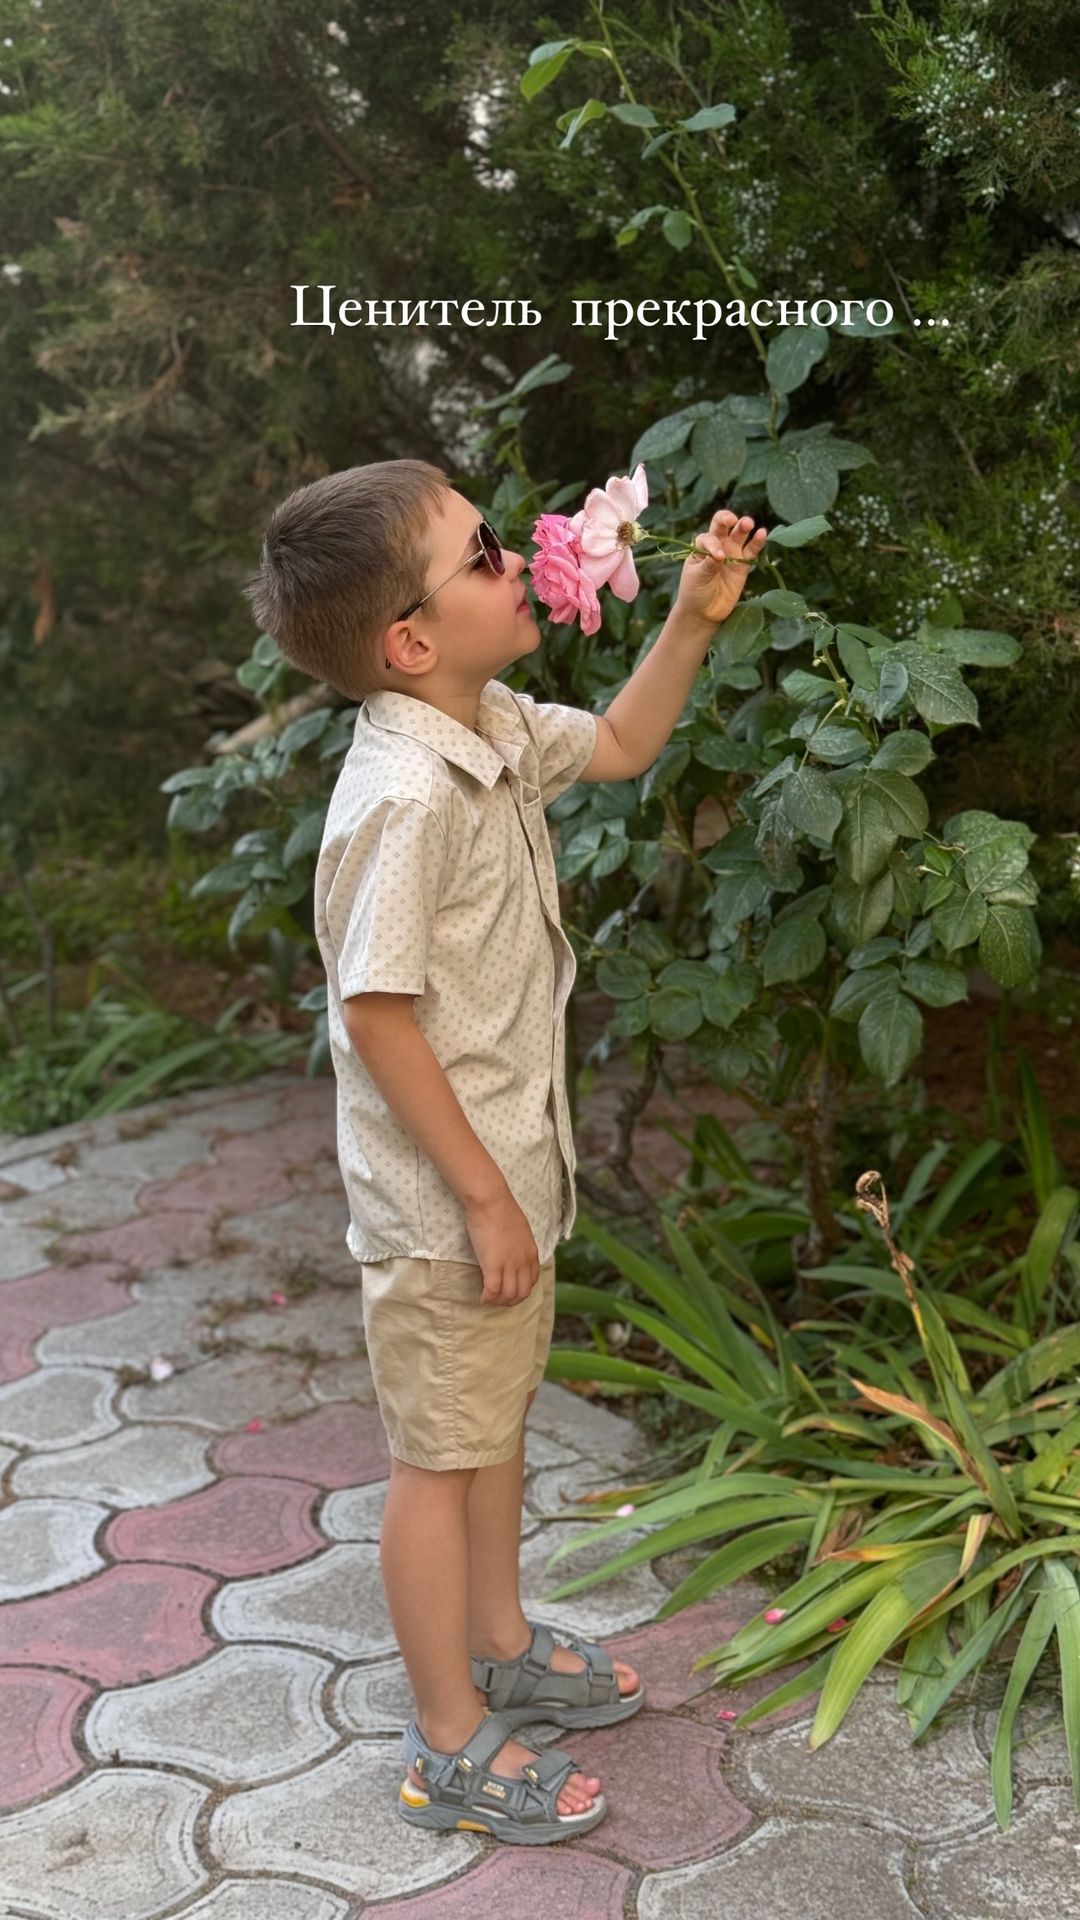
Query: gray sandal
{"type": "Point", "coordinates": [529, 1688]}
{"type": "Point", "coordinates": [463, 1794]}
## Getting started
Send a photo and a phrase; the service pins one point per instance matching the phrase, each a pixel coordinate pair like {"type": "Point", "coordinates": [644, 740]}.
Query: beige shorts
{"type": "Point", "coordinates": [452, 1376]}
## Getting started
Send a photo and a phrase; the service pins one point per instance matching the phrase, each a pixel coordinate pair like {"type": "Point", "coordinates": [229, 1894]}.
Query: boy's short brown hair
{"type": "Point", "coordinates": [340, 559]}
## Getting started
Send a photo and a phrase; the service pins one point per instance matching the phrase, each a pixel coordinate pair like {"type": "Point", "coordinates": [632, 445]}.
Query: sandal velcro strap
{"type": "Point", "coordinates": [537, 1659]}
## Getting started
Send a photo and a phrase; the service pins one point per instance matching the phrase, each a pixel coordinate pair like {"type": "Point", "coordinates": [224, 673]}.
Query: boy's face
{"type": "Point", "coordinates": [475, 624]}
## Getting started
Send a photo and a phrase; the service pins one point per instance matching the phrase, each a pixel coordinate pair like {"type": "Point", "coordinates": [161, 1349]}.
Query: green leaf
{"type": "Point", "coordinates": [959, 919]}
{"type": "Point", "coordinates": [791, 355]}
{"type": "Point", "coordinates": [890, 1035]}
{"type": "Point", "coordinates": [807, 689]}
{"type": "Point", "coordinates": [738, 892]}
{"type": "Point", "coordinates": [935, 983]}
{"type": "Point", "coordinates": [866, 837]}
{"type": "Point", "coordinates": [718, 444]}
{"type": "Point", "coordinates": [802, 481]}
{"type": "Point", "coordinates": [790, 606]}
{"type": "Point", "coordinates": [793, 949]}
{"type": "Point", "coordinates": [623, 976]}
{"type": "Point", "coordinates": [1061, 1585]}
{"type": "Point", "coordinates": [837, 744]}
{"type": "Point", "coordinates": [810, 803]}
{"type": "Point", "coordinates": [879, 1625]}
{"type": "Point", "coordinates": [860, 911]}
{"type": "Point", "coordinates": [674, 1012]}
{"type": "Point", "coordinates": [706, 117]}
{"type": "Point", "coordinates": [545, 63]}
{"type": "Point", "coordinates": [633, 114]}
{"type": "Point", "coordinates": [892, 685]}
{"type": "Point", "coordinates": [1009, 945]}
{"type": "Point", "coordinates": [738, 634]}
{"type": "Point", "coordinates": [907, 890]}
{"type": "Point", "coordinates": [592, 110]}
{"type": "Point", "coordinates": [869, 636]}
{"type": "Point", "coordinates": [937, 688]}
{"type": "Point", "coordinates": [799, 532]}
{"type": "Point", "coordinates": [666, 436]}
{"type": "Point", "coordinates": [856, 991]}
{"type": "Point", "coordinates": [995, 864]}
{"type": "Point", "coordinates": [1037, 1630]}
{"type": "Point", "coordinates": [905, 806]}
{"type": "Point", "coordinates": [975, 646]}
{"type": "Point", "coordinates": [856, 662]}
{"type": "Point", "coordinates": [904, 752]}
{"type": "Point", "coordinates": [677, 229]}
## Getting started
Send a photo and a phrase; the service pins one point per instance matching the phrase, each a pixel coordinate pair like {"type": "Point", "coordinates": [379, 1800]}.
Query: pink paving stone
{"type": "Point", "coordinates": [37, 1712]}
{"type": "Point", "coordinates": [128, 1623]}
{"type": "Point", "coordinates": [236, 1527]}
{"type": "Point", "coordinates": [531, 1884]}
{"type": "Point", "coordinates": [664, 1652]}
{"type": "Point", "coordinates": [249, 1170]}
{"type": "Point", "coordinates": [153, 1240]}
{"type": "Point", "coordinates": [668, 1803]}
{"type": "Point", "coordinates": [53, 1297]}
{"type": "Point", "coordinates": [342, 1445]}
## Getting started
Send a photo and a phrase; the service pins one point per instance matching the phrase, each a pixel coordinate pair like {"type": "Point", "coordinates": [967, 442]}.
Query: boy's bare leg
{"type": "Point", "coordinates": [424, 1527]}
{"type": "Point", "coordinates": [497, 1625]}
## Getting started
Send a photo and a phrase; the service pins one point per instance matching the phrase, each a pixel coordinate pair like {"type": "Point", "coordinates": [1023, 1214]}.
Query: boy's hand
{"type": "Point", "coordinates": [505, 1248]}
{"type": "Point", "coordinates": [710, 588]}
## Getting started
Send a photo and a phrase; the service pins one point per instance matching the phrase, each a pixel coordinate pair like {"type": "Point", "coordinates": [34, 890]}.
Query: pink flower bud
{"type": "Point", "coordinates": [773, 1614]}
{"type": "Point", "coordinates": [280, 1299]}
{"type": "Point", "coordinates": [728, 1713]}
{"type": "Point", "coordinates": [836, 1626]}
{"type": "Point", "coordinates": [628, 1508]}
{"type": "Point", "coordinates": [254, 1426]}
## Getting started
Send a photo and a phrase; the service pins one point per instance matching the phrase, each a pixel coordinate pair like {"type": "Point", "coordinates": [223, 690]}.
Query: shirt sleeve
{"type": "Point", "coordinates": [566, 741]}
{"type": "Point", "coordinates": [383, 901]}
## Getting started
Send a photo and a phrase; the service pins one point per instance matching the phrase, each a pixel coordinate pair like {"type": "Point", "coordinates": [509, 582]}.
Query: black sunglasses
{"type": "Point", "coordinates": [490, 550]}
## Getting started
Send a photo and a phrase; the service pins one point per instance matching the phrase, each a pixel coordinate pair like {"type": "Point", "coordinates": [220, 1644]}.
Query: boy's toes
{"type": "Point", "coordinates": [626, 1676]}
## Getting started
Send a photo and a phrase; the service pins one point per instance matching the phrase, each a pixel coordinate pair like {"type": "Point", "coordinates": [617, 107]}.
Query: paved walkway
{"type": "Point", "coordinates": [200, 1696]}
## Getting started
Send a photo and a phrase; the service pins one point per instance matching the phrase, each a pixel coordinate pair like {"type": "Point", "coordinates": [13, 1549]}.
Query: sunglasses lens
{"type": "Point", "coordinates": [492, 546]}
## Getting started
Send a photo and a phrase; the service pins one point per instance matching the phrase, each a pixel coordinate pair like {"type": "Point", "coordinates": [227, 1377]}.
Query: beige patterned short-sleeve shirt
{"type": "Point", "coordinates": [436, 877]}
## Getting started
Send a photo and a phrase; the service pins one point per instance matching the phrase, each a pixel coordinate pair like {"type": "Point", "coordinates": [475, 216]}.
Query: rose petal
{"type": "Point", "coordinates": [280, 1299]}
{"type": "Point", "coordinates": [728, 1713]}
{"type": "Point", "coordinates": [629, 1508]}
{"type": "Point", "coordinates": [160, 1368]}
{"type": "Point", "coordinates": [253, 1426]}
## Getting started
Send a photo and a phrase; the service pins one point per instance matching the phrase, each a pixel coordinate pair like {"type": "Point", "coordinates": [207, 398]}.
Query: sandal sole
{"type": "Point", "coordinates": [418, 1811]}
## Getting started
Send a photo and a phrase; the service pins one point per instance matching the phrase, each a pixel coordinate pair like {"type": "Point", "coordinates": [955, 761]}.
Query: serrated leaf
{"type": "Point", "coordinates": [860, 911]}
{"type": "Point", "coordinates": [857, 990]}
{"type": "Point", "coordinates": [905, 805]}
{"type": "Point", "coordinates": [1009, 945]}
{"type": "Point", "coordinates": [801, 482]}
{"type": "Point", "coordinates": [790, 606]}
{"type": "Point", "coordinates": [674, 1013]}
{"type": "Point", "coordinates": [791, 355]}
{"type": "Point", "coordinates": [799, 532]}
{"type": "Point", "coordinates": [856, 661]}
{"type": "Point", "coordinates": [890, 1035]}
{"type": "Point", "coordinates": [718, 444]}
{"type": "Point", "coordinates": [995, 864]}
{"type": "Point", "coordinates": [793, 949]}
{"type": "Point", "coordinates": [905, 752]}
{"type": "Point", "coordinates": [937, 689]}
{"type": "Point", "coordinates": [891, 687]}
{"type": "Point", "coordinates": [976, 646]}
{"type": "Point", "coordinates": [935, 983]}
{"type": "Point", "coordinates": [810, 803]}
{"type": "Point", "coordinates": [866, 837]}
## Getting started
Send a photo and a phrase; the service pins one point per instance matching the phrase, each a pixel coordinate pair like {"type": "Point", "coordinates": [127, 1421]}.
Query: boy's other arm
{"type": "Point", "coordinates": [384, 1033]}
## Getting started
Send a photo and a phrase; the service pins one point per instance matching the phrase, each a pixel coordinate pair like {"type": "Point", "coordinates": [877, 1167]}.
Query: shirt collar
{"type": "Point", "coordinates": [501, 738]}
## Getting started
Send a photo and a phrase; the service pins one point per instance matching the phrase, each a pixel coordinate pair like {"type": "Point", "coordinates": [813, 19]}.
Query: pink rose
{"type": "Point", "coordinates": [608, 528]}
{"type": "Point", "coordinates": [558, 577]}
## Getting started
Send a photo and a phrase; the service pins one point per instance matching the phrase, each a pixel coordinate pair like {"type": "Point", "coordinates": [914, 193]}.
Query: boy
{"type": "Point", "coordinates": [437, 917]}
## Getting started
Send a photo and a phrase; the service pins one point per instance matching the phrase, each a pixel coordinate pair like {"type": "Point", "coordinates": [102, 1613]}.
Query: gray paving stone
{"type": "Point", "coordinates": [624, 1600]}
{"type": "Point", "coordinates": [265, 1899]}
{"type": "Point", "coordinates": [23, 1249]}
{"type": "Point", "coordinates": [78, 1204]}
{"type": "Point", "coordinates": [46, 1544]}
{"type": "Point", "coordinates": [155, 1155]}
{"type": "Point", "coordinates": [327, 1322]}
{"type": "Point", "coordinates": [58, 1407]}
{"type": "Point", "coordinates": [7, 1455]}
{"type": "Point", "coordinates": [35, 1173]}
{"type": "Point", "coordinates": [344, 1380]}
{"type": "Point", "coordinates": [355, 1513]}
{"type": "Point", "coordinates": [376, 1698]}
{"type": "Point", "coordinates": [584, 1427]}
{"type": "Point", "coordinates": [221, 1278]}
{"type": "Point", "coordinates": [118, 1845]}
{"type": "Point", "coordinates": [552, 1490]}
{"type": "Point", "coordinates": [1033, 1867]}
{"type": "Point", "coordinates": [1040, 1754]}
{"type": "Point", "coordinates": [338, 1822]}
{"type": "Point", "coordinates": [788, 1871]}
{"type": "Point", "coordinates": [541, 1451]}
{"type": "Point", "coordinates": [306, 1231]}
{"type": "Point", "coordinates": [140, 1123]}
{"type": "Point", "coordinates": [244, 1715]}
{"type": "Point", "coordinates": [334, 1604]}
{"type": "Point", "coordinates": [870, 1770]}
{"type": "Point", "coordinates": [129, 1338]}
{"type": "Point", "coordinates": [135, 1467]}
{"type": "Point", "coordinates": [223, 1393]}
